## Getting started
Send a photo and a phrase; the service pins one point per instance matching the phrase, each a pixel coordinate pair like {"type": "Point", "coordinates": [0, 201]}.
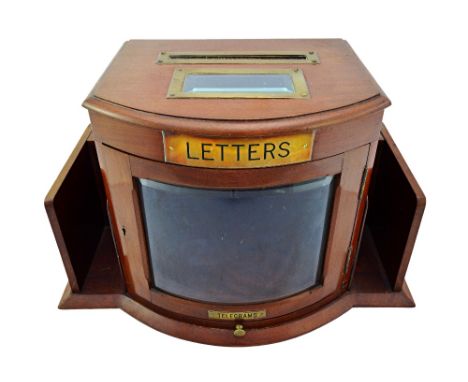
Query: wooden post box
{"type": "Point", "coordinates": [236, 192]}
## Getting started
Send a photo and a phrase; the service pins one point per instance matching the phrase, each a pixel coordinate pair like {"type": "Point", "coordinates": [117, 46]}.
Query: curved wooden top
{"type": "Point", "coordinates": [134, 86]}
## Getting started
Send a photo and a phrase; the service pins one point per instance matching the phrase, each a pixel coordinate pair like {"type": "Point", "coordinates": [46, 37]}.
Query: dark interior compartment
{"type": "Point", "coordinates": [76, 206]}
{"type": "Point", "coordinates": [396, 205]}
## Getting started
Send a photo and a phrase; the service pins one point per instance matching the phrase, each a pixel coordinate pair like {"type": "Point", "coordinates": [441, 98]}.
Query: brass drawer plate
{"type": "Point", "coordinates": [222, 315]}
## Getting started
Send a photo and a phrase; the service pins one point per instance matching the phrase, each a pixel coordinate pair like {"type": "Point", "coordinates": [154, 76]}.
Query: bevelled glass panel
{"type": "Point", "coordinates": [236, 246]}
{"type": "Point", "coordinates": [238, 83]}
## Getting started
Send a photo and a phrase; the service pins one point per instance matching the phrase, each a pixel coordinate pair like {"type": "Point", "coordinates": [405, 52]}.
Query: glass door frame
{"type": "Point", "coordinates": [120, 171]}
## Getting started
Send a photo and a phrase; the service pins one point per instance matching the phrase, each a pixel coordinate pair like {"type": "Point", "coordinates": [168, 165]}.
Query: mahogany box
{"type": "Point", "coordinates": [236, 192]}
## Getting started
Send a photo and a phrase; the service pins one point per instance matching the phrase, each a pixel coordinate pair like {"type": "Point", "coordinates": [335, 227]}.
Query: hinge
{"type": "Point", "coordinates": [344, 282]}
{"type": "Point", "coordinates": [348, 259]}
{"type": "Point", "coordinates": [111, 226]}
{"type": "Point", "coordinates": [363, 183]}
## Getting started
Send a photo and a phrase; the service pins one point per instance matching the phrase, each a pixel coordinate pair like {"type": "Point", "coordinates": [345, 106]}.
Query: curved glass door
{"type": "Point", "coordinates": [236, 246]}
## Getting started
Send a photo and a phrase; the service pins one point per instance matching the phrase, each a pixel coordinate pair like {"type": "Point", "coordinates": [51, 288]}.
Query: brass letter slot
{"type": "Point", "coordinates": [262, 57]}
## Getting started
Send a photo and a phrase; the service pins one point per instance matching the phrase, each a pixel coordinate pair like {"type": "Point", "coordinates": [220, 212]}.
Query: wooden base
{"type": "Point", "coordinates": [104, 288]}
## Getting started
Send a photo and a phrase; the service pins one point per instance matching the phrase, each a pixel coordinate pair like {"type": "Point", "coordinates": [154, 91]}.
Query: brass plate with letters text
{"type": "Point", "coordinates": [221, 315]}
{"type": "Point", "coordinates": [238, 152]}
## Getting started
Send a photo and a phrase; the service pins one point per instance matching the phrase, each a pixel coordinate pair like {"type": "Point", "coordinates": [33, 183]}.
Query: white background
{"type": "Point", "coordinates": [52, 53]}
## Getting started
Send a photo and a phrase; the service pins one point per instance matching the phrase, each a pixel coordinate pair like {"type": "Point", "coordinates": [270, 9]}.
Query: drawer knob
{"type": "Point", "coordinates": [239, 331]}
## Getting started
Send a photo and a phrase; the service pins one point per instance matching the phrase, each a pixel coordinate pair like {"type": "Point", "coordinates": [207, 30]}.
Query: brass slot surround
{"type": "Point", "coordinates": [242, 57]}
{"type": "Point", "coordinates": [176, 87]}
